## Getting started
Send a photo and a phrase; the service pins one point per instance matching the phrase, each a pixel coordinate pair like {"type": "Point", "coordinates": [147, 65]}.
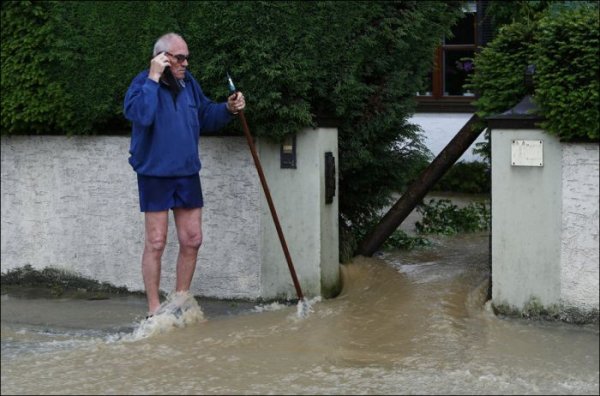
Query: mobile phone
{"type": "Point", "coordinates": [168, 78]}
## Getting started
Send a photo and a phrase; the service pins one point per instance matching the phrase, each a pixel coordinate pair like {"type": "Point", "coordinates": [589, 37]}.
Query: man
{"type": "Point", "coordinates": [168, 111]}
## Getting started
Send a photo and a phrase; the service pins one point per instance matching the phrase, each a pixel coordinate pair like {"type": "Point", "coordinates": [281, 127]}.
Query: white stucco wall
{"type": "Point", "coordinates": [545, 228]}
{"type": "Point", "coordinates": [229, 260]}
{"type": "Point", "coordinates": [71, 203]}
{"type": "Point", "coordinates": [440, 128]}
{"type": "Point", "coordinates": [580, 252]}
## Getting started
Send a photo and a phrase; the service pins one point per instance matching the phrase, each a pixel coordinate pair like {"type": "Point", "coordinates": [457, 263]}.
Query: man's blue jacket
{"type": "Point", "coordinates": [165, 131]}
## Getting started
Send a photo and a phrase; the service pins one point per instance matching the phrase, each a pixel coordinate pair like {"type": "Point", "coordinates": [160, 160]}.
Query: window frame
{"type": "Point", "coordinates": [437, 101]}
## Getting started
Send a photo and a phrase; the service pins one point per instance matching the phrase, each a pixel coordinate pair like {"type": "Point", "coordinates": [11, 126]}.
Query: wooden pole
{"type": "Point", "coordinates": [419, 188]}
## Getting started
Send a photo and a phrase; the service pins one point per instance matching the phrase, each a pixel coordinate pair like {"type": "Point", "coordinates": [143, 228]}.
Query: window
{"type": "Point", "coordinates": [453, 63]}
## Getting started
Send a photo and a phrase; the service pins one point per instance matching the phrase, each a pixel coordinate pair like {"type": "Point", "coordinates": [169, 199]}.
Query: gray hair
{"type": "Point", "coordinates": [164, 42]}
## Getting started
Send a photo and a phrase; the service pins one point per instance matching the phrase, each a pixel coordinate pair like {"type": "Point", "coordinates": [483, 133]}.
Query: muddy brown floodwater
{"type": "Point", "coordinates": [405, 323]}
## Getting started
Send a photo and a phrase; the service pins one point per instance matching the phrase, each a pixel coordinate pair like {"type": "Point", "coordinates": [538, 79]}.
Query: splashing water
{"type": "Point", "coordinates": [304, 307]}
{"type": "Point", "coordinates": [179, 310]}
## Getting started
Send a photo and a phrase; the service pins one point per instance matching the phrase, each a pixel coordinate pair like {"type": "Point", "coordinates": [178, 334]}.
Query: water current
{"type": "Point", "coordinates": [405, 323]}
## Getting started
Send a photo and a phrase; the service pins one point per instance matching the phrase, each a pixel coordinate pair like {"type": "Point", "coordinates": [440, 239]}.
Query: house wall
{"type": "Point", "coordinates": [440, 128]}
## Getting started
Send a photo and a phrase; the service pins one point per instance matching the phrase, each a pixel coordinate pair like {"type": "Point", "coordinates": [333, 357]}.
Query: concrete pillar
{"type": "Point", "coordinates": [309, 223]}
{"type": "Point", "coordinates": [526, 221]}
{"type": "Point", "coordinates": [545, 196]}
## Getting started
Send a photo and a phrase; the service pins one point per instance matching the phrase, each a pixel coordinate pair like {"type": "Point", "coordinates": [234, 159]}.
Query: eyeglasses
{"type": "Point", "coordinates": [180, 58]}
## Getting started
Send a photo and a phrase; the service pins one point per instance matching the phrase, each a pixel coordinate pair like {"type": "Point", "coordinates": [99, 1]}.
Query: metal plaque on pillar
{"type": "Point", "coordinates": [527, 153]}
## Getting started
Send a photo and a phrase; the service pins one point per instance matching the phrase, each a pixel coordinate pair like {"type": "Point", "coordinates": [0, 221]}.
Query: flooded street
{"type": "Point", "coordinates": [405, 323]}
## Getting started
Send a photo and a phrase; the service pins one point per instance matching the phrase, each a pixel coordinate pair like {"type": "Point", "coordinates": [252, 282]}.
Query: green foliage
{"type": "Point", "coordinates": [401, 240]}
{"type": "Point", "coordinates": [102, 45]}
{"type": "Point", "coordinates": [443, 217]}
{"type": "Point", "coordinates": [561, 40]}
{"type": "Point", "coordinates": [499, 77]}
{"type": "Point", "coordinates": [438, 217]}
{"type": "Point", "coordinates": [466, 177]}
{"type": "Point", "coordinates": [501, 13]}
{"type": "Point", "coordinates": [499, 73]}
{"type": "Point", "coordinates": [32, 99]}
{"type": "Point", "coordinates": [398, 240]}
{"type": "Point", "coordinates": [567, 73]}
{"type": "Point", "coordinates": [355, 64]}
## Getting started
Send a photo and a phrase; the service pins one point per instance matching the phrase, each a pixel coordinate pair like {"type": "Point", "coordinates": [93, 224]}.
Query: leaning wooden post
{"type": "Point", "coordinates": [419, 188]}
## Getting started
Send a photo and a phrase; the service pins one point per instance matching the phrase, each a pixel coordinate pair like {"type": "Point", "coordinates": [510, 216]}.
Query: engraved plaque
{"type": "Point", "coordinates": [527, 153]}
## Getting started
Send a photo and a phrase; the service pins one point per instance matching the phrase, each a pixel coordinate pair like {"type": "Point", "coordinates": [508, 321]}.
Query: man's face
{"type": "Point", "coordinates": [178, 49]}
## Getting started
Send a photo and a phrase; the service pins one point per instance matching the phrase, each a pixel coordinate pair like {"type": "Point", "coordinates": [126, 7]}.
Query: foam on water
{"type": "Point", "coordinates": [275, 306]}
{"type": "Point", "coordinates": [179, 310]}
{"type": "Point", "coordinates": [304, 307]}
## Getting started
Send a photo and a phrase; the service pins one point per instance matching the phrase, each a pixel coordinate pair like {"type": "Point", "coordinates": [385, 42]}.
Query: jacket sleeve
{"type": "Point", "coordinates": [212, 116]}
{"type": "Point", "coordinates": [141, 100]}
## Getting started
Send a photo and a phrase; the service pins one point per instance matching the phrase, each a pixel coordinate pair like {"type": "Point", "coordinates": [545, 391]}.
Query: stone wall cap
{"type": "Point", "coordinates": [523, 115]}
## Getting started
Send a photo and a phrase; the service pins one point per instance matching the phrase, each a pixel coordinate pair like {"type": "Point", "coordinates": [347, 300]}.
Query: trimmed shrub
{"type": "Point", "coordinates": [566, 55]}
{"type": "Point", "coordinates": [33, 99]}
{"type": "Point", "coordinates": [66, 67]}
{"type": "Point", "coordinates": [466, 177]}
{"type": "Point", "coordinates": [562, 42]}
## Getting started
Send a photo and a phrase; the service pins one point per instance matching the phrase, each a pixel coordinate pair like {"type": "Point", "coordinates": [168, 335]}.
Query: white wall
{"type": "Point", "coordinates": [310, 227]}
{"type": "Point", "coordinates": [525, 222]}
{"type": "Point", "coordinates": [545, 229]}
{"type": "Point", "coordinates": [440, 128]}
{"type": "Point", "coordinates": [60, 207]}
{"type": "Point", "coordinates": [72, 203]}
{"type": "Point", "coordinates": [580, 255]}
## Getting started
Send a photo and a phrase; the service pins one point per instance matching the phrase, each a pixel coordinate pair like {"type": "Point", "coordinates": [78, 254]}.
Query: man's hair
{"type": "Point", "coordinates": [164, 42]}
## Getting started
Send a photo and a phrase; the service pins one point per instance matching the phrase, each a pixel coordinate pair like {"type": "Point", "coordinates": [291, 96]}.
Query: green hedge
{"type": "Point", "coordinates": [466, 177]}
{"type": "Point", "coordinates": [66, 67]}
{"type": "Point", "coordinates": [32, 98]}
{"type": "Point", "coordinates": [567, 76]}
{"type": "Point", "coordinates": [562, 43]}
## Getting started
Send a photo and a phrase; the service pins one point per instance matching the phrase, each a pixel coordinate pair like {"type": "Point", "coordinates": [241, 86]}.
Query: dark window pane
{"type": "Point", "coordinates": [457, 66]}
{"type": "Point", "coordinates": [464, 31]}
{"type": "Point", "coordinates": [427, 85]}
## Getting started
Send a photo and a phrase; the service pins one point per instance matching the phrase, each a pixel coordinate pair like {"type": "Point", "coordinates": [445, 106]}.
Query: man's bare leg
{"type": "Point", "coordinates": [189, 233]}
{"type": "Point", "coordinates": [156, 224]}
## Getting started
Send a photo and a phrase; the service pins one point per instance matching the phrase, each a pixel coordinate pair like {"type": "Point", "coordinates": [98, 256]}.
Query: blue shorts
{"type": "Point", "coordinates": [163, 193]}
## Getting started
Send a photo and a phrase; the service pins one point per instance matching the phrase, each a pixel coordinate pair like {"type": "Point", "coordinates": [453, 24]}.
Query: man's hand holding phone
{"type": "Point", "coordinates": [158, 64]}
